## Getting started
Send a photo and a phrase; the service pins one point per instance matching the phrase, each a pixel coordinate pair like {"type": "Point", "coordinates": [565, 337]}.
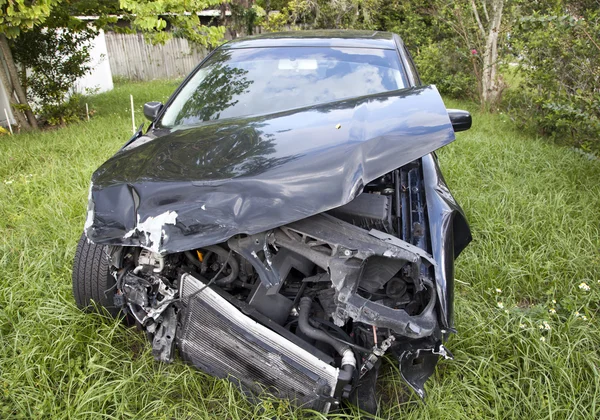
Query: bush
{"type": "Point", "coordinates": [68, 111]}
{"type": "Point", "coordinates": [441, 56]}
{"type": "Point", "coordinates": [51, 62]}
{"type": "Point", "coordinates": [448, 67]}
{"type": "Point", "coordinates": [559, 94]}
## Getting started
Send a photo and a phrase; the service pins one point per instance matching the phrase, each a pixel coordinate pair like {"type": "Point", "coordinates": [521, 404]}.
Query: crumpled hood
{"type": "Point", "coordinates": [198, 186]}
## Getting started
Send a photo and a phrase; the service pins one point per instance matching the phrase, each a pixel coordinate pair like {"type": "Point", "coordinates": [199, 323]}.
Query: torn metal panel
{"type": "Point", "coordinates": [450, 234]}
{"type": "Point", "coordinates": [163, 343]}
{"type": "Point", "coordinates": [248, 175]}
{"type": "Point", "coordinates": [152, 230]}
{"type": "Point", "coordinates": [418, 364]}
{"type": "Point", "coordinates": [342, 249]}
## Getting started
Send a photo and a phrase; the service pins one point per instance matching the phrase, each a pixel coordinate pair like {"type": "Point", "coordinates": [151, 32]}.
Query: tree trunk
{"type": "Point", "coordinates": [490, 87]}
{"type": "Point", "coordinates": [15, 82]}
{"type": "Point", "coordinates": [8, 87]}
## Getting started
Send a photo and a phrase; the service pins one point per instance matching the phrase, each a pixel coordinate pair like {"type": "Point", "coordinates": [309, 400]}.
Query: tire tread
{"type": "Point", "coordinates": [91, 277]}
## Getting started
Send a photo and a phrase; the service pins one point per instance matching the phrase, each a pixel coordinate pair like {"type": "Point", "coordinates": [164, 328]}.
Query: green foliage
{"type": "Point", "coordinates": [414, 21]}
{"type": "Point", "coordinates": [276, 22]}
{"type": "Point", "coordinates": [441, 37]}
{"type": "Point", "coordinates": [54, 59]}
{"type": "Point", "coordinates": [153, 16]}
{"type": "Point", "coordinates": [449, 67]}
{"type": "Point", "coordinates": [269, 5]}
{"type": "Point", "coordinates": [65, 112]}
{"type": "Point", "coordinates": [246, 18]}
{"type": "Point", "coordinates": [326, 14]}
{"type": "Point", "coordinates": [555, 42]}
{"type": "Point", "coordinates": [17, 15]}
{"type": "Point", "coordinates": [559, 66]}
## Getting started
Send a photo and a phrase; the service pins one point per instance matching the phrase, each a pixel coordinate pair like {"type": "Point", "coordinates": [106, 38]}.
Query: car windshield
{"type": "Point", "coordinates": [254, 81]}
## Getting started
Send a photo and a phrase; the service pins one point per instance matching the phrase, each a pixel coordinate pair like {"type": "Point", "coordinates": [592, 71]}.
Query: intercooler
{"type": "Point", "coordinates": [219, 339]}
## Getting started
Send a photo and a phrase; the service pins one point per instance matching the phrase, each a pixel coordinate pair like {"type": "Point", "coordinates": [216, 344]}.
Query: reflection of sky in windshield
{"type": "Point", "coordinates": [276, 79]}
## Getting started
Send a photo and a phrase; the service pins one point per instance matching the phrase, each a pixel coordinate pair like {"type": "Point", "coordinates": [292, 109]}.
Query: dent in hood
{"type": "Point", "coordinates": [198, 186]}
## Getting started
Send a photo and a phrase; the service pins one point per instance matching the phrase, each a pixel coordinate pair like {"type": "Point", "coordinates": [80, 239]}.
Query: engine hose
{"type": "Point", "coordinates": [204, 265]}
{"type": "Point", "coordinates": [347, 340]}
{"type": "Point", "coordinates": [192, 259]}
{"type": "Point", "coordinates": [231, 261]}
{"type": "Point", "coordinates": [348, 360]}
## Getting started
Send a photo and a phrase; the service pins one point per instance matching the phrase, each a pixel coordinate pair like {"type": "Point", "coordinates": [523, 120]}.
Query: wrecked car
{"type": "Point", "coordinates": [283, 222]}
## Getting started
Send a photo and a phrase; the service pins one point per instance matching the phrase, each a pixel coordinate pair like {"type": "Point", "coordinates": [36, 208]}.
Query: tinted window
{"type": "Point", "coordinates": [240, 82]}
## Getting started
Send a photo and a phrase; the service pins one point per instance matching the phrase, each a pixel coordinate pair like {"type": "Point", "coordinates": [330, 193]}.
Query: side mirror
{"type": "Point", "coordinates": [461, 120]}
{"type": "Point", "coordinates": [151, 110]}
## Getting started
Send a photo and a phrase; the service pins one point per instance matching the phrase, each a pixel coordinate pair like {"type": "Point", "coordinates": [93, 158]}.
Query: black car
{"type": "Point", "coordinates": [283, 222]}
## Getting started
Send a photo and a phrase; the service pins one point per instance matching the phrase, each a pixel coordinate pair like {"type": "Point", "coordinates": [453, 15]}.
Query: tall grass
{"type": "Point", "coordinates": [534, 210]}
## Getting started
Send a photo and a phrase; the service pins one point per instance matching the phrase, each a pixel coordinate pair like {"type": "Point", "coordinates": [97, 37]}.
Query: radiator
{"type": "Point", "coordinates": [219, 339]}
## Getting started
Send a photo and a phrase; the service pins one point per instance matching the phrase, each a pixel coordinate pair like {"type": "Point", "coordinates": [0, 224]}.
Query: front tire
{"type": "Point", "coordinates": [93, 284]}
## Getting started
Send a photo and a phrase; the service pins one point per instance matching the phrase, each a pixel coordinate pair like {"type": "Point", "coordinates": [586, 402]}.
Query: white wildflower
{"type": "Point", "coordinates": [522, 326]}
{"type": "Point", "coordinates": [542, 339]}
{"type": "Point", "coordinates": [552, 310]}
{"type": "Point", "coordinates": [500, 305]}
{"type": "Point", "coordinates": [546, 325]}
{"type": "Point", "coordinates": [583, 286]}
{"type": "Point", "coordinates": [583, 318]}
{"type": "Point", "coordinates": [553, 300]}
{"type": "Point", "coordinates": [498, 290]}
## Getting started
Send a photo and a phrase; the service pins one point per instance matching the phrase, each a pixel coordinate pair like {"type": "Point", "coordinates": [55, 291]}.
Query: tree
{"type": "Point", "coordinates": [150, 16]}
{"type": "Point", "coordinates": [154, 16]}
{"type": "Point", "coordinates": [17, 16]}
{"type": "Point", "coordinates": [51, 60]}
{"type": "Point", "coordinates": [476, 27]}
{"type": "Point", "coordinates": [491, 87]}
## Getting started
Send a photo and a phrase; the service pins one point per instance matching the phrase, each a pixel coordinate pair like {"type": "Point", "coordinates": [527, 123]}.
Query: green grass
{"type": "Point", "coordinates": [534, 209]}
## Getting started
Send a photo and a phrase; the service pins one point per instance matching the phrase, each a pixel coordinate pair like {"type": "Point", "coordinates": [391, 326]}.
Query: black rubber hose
{"type": "Point", "coordinates": [204, 265]}
{"type": "Point", "coordinates": [344, 350]}
{"type": "Point", "coordinates": [235, 269]}
{"type": "Point", "coordinates": [193, 259]}
{"type": "Point", "coordinates": [346, 373]}
{"type": "Point", "coordinates": [229, 259]}
{"type": "Point", "coordinates": [342, 340]}
{"type": "Point", "coordinates": [315, 333]}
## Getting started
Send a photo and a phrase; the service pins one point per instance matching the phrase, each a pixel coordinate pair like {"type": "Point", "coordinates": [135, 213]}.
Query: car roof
{"type": "Point", "coordinates": [317, 38]}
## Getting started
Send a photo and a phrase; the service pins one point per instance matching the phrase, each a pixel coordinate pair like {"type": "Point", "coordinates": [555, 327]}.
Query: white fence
{"type": "Point", "coordinates": [131, 57]}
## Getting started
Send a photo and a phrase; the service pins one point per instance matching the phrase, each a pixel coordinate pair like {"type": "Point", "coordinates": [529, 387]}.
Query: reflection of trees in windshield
{"type": "Point", "coordinates": [232, 149]}
{"type": "Point", "coordinates": [220, 150]}
{"type": "Point", "coordinates": [215, 93]}
{"type": "Point", "coordinates": [260, 81]}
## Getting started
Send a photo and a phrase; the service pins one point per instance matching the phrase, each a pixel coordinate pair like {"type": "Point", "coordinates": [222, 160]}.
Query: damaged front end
{"type": "Point", "coordinates": [291, 274]}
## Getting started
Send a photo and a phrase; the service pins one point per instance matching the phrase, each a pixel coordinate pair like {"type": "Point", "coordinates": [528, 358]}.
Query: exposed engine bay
{"type": "Point", "coordinates": [307, 310]}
